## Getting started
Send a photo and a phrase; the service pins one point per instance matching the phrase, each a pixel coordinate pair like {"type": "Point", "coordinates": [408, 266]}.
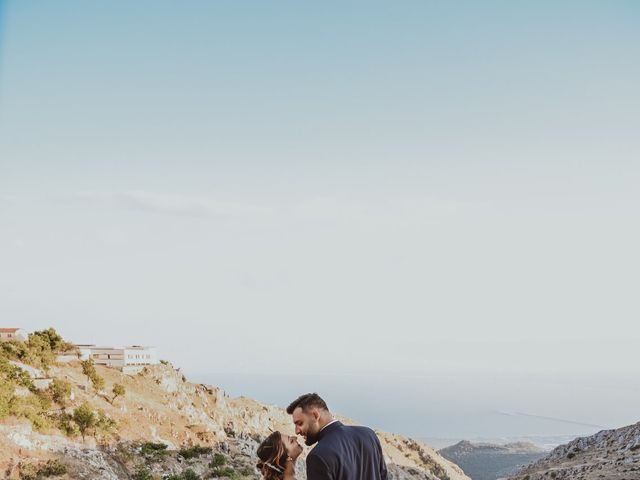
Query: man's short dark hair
{"type": "Point", "coordinates": [307, 401]}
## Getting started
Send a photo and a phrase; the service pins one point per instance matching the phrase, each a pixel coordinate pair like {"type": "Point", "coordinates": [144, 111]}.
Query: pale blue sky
{"type": "Point", "coordinates": [439, 186]}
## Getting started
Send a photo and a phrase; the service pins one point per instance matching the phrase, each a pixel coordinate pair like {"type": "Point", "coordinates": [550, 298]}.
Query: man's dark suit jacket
{"type": "Point", "coordinates": [346, 453]}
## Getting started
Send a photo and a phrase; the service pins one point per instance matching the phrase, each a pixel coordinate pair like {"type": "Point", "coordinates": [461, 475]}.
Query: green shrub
{"type": "Point", "coordinates": [53, 339]}
{"type": "Point", "coordinates": [7, 394]}
{"type": "Point", "coordinates": [13, 373]}
{"type": "Point", "coordinates": [89, 369]}
{"type": "Point", "coordinates": [13, 350]}
{"type": "Point", "coordinates": [98, 382]}
{"type": "Point", "coordinates": [39, 350]}
{"type": "Point", "coordinates": [126, 453]}
{"type": "Point", "coordinates": [118, 391]}
{"type": "Point", "coordinates": [52, 468]}
{"type": "Point", "coordinates": [65, 423]}
{"type": "Point", "coordinates": [225, 472]}
{"type": "Point", "coordinates": [194, 451]}
{"type": "Point", "coordinates": [32, 407]}
{"type": "Point", "coordinates": [218, 460]}
{"type": "Point", "coordinates": [28, 472]}
{"type": "Point", "coordinates": [104, 423]}
{"type": "Point", "coordinates": [142, 473]}
{"type": "Point", "coordinates": [39, 353]}
{"type": "Point", "coordinates": [39, 422]}
{"type": "Point", "coordinates": [43, 399]}
{"type": "Point", "coordinates": [60, 391]}
{"type": "Point", "coordinates": [153, 452]}
{"type": "Point", "coordinates": [85, 418]}
{"type": "Point", "coordinates": [151, 448]}
{"type": "Point", "coordinates": [188, 474]}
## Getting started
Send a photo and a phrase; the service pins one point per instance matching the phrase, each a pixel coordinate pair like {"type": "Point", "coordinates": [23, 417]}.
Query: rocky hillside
{"type": "Point", "coordinates": [609, 454]}
{"type": "Point", "coordinates": [484, 461]}
{"type": "Point", "coordinates": [159, 426]}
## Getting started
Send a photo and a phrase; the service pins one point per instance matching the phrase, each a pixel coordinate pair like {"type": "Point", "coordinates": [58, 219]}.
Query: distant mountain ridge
{"type": "Point", "coordinates": [487, 461]}
{"type": "Point", "coordinates": [607, 455]}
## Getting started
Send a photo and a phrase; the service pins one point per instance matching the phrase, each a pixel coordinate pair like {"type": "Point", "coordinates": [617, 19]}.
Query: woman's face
{"type": "Point", "coordinates": [292, 446]}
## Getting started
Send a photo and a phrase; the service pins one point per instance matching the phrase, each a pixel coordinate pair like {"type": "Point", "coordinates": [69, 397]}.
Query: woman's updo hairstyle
{"type": "Point", "coordinates": [273, 457]}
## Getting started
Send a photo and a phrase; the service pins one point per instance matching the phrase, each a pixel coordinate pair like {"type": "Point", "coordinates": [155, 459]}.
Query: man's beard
{"type": "Point", "coordinates": [311, 438]}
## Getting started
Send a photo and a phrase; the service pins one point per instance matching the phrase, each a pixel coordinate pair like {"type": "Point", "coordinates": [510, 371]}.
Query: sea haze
{"type": "Point", "coordinates": [544, 409]}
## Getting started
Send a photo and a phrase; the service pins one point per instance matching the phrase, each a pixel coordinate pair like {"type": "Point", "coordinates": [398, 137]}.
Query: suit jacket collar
{"type": "Point", "coordinates": [329, 428]}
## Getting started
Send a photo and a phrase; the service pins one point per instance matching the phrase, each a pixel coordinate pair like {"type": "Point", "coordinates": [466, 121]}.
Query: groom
{"type": "Point", "coordinates": [342, 452]}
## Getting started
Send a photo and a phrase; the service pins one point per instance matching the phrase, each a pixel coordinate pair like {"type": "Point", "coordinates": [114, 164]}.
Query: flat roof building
{"type": "Point", "coordinates": [123, 358]}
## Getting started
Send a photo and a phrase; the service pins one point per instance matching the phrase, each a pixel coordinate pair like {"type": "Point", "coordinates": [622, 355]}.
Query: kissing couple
{"type": "Point", "coordinates": [341, 452]}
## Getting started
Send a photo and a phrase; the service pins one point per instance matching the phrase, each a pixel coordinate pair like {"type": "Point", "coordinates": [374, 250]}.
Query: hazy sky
{"type": "Point", "coordinates": [328, 187]}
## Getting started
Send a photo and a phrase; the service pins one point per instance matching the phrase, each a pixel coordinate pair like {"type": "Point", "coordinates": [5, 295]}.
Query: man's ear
{"type": "Point", "coordinates": [316, 414]}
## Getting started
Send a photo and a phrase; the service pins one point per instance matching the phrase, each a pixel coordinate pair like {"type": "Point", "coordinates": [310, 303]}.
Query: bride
{"type": "Point", "coordinates": [278, 454]}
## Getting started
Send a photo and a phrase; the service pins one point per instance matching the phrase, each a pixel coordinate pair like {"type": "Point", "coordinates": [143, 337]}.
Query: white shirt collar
{"type": "Point", "coordinates": [332, 421]}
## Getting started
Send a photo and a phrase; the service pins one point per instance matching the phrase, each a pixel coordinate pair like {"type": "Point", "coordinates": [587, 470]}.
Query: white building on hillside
{"type": "Point", "coordinates": [84, 351]}
{"type": "Point", "coordinates": [13, 334]}
{"type": "Point", "coordinates": [132, 358]}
